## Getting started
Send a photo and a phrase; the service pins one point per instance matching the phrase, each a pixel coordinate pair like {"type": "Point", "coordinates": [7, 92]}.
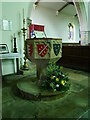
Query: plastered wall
{"type": "Point", "coordinates": [55, 26]}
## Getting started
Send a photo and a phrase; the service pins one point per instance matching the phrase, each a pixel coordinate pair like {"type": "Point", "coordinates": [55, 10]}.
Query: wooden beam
{"type": "Point", "coordinates": [36, 3]}
{"type": "Point", "coordinates": [68, 0]}
{"type": "Point", "coordinates": [68, 3]}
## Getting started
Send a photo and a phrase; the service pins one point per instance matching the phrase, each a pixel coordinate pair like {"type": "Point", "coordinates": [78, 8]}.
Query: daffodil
{"type": "Point", "coordinates": [63, 82]}
{"type": "Point", "coordinates": [57, 79]}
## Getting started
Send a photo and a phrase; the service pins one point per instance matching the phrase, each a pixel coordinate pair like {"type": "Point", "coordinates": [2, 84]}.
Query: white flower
{"type": "Point", "coordinates": [57, 85]}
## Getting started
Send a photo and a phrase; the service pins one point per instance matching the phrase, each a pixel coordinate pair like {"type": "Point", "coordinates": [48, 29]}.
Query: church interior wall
{"type": "Point", "coordinates": [88, 16]}
{"type": "Point", "coordinates": [55, 26]}
{"type": "Point", "coordinates": [13, 11]}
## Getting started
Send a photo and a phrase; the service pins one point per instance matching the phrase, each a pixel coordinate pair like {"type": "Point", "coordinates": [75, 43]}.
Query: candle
{"type": "Point", "coordinates": [23, 13]}
{"type": "Point", "coordinates": [23, 19]}
{"type": "Point", "coordinates": [15, 49]}
{"type": "Point", "coordinates": [14, 35]}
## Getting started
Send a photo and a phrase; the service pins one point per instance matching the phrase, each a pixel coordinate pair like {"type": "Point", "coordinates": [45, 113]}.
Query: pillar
{"type": "Point", "coordinates": [82, 16]}
{"type": "Point", "coordinates": [84, 37]}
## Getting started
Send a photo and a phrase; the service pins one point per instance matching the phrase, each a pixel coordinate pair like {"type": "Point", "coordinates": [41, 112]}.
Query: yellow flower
{"type": "Point", "coordinates": [63, 82]}
{"type": "Point", "coordinates": [57, 79]}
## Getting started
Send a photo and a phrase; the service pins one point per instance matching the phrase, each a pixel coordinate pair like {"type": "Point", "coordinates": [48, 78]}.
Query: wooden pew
{"type": "Point", "coordinates": [75, 57]}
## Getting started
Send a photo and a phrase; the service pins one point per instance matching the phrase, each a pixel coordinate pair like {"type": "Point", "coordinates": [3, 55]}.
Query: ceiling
{"type": "Point", "coordinates": [69, 9]}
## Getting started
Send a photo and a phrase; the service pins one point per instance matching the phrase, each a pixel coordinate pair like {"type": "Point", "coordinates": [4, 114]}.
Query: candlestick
{"type": "Point", "coordinates": [23, 13]}
{"type": "Point", "coordinates": [23, 18]}
{"type": "Point", "coordinates": [25, 66]}
{"type": "Point", "coordinates": [15, 49]}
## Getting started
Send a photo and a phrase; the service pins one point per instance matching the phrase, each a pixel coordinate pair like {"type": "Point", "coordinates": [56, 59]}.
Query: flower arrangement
{"type": "Point", "coordinates": [55, 78]}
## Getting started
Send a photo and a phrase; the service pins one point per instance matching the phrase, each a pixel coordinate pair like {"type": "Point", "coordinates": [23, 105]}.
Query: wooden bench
{"type": "Point", "coordinates": [75, 57]}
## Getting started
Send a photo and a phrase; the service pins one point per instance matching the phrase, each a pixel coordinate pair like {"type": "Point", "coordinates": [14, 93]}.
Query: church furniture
{"type": "Point", "coordinates": [40, 51]}
{"type": "Point", "coordinates": [11, 56]}
{"type": "Point", "coordinates": [75, 57]}
{"type": "Point", "coordinates": [43, 50]}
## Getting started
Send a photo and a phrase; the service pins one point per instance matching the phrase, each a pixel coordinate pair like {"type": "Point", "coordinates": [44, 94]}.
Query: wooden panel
{"type": "Point", "coordinates": [76, 57]}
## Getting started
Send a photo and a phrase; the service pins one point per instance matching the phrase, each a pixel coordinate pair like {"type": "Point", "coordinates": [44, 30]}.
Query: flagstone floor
{"type": "Point", "coordinates": [73, 105]}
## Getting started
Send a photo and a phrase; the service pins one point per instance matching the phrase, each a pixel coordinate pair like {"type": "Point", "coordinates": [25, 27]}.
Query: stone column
{"type": "Point", "coordinates": [89, 37]}
{"type": "Point", "coordinates": [84, 37]}
{"type": "Point", "coordinates": [82, 16]}
{"type": "Point", "coordinates": [89, 22]}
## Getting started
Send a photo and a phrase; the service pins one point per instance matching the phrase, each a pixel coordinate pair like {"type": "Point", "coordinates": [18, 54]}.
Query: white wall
{"type": "Point", "coordinates": [89, 22]}
{"type": "Point", "coordinates": [55, 26]}
{"type": "Point", "coordinates": [14, 11]}
{"type": "Point", "coordinates": [88, 16]}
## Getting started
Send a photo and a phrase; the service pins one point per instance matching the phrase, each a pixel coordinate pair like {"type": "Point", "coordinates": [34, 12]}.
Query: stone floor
{"type": "Point", "coordinates": [73, 105]}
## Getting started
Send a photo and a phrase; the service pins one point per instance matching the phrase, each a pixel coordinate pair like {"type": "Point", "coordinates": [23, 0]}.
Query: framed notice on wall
{"type": "Point", "coordinates": [6, 25]}
{"type": "Point", "coordinates": [0, 24]}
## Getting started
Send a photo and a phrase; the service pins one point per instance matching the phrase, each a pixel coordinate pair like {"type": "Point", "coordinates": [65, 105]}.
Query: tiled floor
{"type": "Point", "coordinates": [73, 105]}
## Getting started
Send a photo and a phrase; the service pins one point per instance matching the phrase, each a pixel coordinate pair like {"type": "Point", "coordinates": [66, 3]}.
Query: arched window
{"type": "Point", "coordinates": [70, 31]}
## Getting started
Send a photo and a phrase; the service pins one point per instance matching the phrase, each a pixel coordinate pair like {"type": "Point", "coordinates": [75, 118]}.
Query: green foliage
{"type": "Point", "coordinates": [55, 78]}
